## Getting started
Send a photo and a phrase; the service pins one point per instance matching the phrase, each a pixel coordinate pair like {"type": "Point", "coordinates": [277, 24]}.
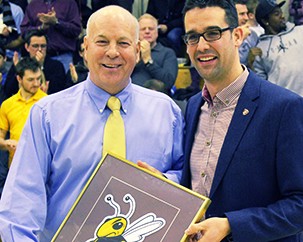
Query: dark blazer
{"type": "Point", "coordinates": [258, 182]}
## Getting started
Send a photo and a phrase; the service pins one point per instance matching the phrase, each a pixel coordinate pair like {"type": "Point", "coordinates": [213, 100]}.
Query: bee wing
{"type": "Point", "coordinates": [143, 227]}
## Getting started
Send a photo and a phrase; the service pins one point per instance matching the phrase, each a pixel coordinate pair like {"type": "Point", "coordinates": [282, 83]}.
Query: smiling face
{"type": "Point", "coordinates": [216, 61]}
{"type": "Point", "coordinates": [242, 13]}
{"type": "Point", "coordinates": [111, 48]}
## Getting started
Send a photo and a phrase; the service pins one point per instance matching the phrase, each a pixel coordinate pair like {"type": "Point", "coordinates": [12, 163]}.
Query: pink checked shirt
{"type": "Point", "coordinates": [213, 124]}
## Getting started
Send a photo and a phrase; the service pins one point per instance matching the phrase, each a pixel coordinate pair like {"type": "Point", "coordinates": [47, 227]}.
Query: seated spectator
{"type": "Point", "coordinates": [251, 38]}
{"type": "Point", "coordinates": [156, 61]}
{"type": "Point", "coordinates": [61, 22]}
{"type": "Point", "coordinates": [11, 16]}
{"type": "Point", "coordinates": [77, 73]}
{"type": "Point", "coordinates": [14, 110]}
{"type": "Point", "coordinates": [170, 20]}
{"type": "Point", "coordinates": [281, 45]}
{"type": "Point", "coordinates": [36, 43]}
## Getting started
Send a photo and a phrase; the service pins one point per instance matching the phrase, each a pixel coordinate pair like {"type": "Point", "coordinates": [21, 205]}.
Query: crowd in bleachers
{"type": "Point", "coordinates": [52, 34]}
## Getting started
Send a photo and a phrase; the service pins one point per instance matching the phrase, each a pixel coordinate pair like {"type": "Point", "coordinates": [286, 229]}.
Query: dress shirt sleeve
{"type": "Point", "coordinates": [175, 172]}
{"type": "Point", "coordinates": [284, 216]}
{"type": "Point", "coordinates": [18, 16]}
{"type": "Point", "coordinates": [23, 206]}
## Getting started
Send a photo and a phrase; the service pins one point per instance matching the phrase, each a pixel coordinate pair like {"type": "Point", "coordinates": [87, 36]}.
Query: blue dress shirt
{"type": "Point", "coordinates": [62, 144]}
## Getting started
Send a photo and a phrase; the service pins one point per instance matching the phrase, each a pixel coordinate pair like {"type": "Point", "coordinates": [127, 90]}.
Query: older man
{"type": "Point", "coordinates": [156, 61]}
{"type": "Point", "coordinates": [62, 142]}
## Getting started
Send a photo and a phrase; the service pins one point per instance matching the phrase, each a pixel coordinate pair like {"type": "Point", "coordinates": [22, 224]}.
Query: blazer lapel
{"type": "Point", "coordinates": [243, 114]}
{"type": "Point", "coordinates": [192, 115]}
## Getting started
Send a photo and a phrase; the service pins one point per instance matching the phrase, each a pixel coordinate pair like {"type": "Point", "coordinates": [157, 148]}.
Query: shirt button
{"type": "Point", "coordinates": [203, 174]}
{"type": "Point", "coordinates": [207, 143]}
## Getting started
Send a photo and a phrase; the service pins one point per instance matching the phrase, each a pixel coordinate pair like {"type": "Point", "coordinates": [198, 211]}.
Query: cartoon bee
{"type": "Point", "coordinates": [117, 228]}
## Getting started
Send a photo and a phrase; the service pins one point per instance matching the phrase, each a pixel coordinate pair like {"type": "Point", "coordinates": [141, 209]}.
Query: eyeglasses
{"type": "Point", "coordinates": [209, 36]}
{"type": "Point", "coordinates": [36, 46]}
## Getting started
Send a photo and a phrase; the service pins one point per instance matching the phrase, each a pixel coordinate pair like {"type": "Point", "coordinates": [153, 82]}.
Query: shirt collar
{"type": "Point", "coordinates": [100, 96]}
{"type": "Point", "coordinates": [229, 93]}
{"type": "Point", "coordinates": [37, 96]}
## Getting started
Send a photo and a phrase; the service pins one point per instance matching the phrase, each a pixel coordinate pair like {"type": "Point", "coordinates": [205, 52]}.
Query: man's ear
{"type": "Point", "coordinates": [19, 79]}
{"type": "Point", "coordinates": [26, 47]}
{"type": "Point", "coordinates": [264, 22]}
{"type": "Point", "coordinates": [238, 35]}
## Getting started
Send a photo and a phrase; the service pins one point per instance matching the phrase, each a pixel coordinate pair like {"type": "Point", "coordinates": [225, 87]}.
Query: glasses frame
{"type": "Point", "coordinates": [37, 46]}
{"type": "Point", "coordinates": [185, 37]}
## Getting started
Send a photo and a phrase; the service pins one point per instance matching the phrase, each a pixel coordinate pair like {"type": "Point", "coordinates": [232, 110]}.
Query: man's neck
{"type": "Point", "coordinates": [25, 95]}
{"type": "Point", "coordinates": [215, 86]}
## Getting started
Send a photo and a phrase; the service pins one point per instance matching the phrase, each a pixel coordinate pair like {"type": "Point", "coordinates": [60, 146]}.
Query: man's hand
{"type": "Point", "coordinates": [44, 83]}
{"type": "Point", "coordinates": [246, 30]}
{"type": "Point", "coordinates": [145, 50]}
{"type": "Point", "coordinates": [47, 18]}
{"type": "Point", "coordinates": [212, 229]}
{"type": "Point", "coordinates": [73, 72]}
{"type": "Point", "coordinates": [44, 86]}
{"type": "Point", "coordinates": [162, 28]}
{"type": "Point", "coordinates": [40, 57]}
{"type": "Point", "coordinates": [6, 31]}
{"type": "Point", "coordinates": [148, 167]}
{"type": "Point", "coordinates": [11, 145]}
{"type": "Point", "coordinates": [253, 52]}
{"type": "Point", "coordinates": [15, 58]}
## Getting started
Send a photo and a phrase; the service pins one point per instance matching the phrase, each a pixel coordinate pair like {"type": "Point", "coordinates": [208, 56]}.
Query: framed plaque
{"type": "Point", "coordinates": [124, 202]}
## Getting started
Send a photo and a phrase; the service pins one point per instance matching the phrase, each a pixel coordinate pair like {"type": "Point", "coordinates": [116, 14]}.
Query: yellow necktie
{"type": "Point", "coordinates": [114, 135]}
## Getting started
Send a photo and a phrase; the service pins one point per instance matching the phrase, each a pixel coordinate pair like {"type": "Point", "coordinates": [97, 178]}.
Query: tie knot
{"type": "Point", "coordinates": [114, 103]}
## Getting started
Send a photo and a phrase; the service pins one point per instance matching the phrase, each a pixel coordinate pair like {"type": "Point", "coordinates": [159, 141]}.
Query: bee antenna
{"type": "Point", "coordinates": [110, 200]}
{"type": "Point", "coordinates": [129, 199]}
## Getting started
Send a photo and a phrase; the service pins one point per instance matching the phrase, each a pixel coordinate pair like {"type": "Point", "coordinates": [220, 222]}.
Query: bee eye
{"type": "Point", "coordinates": [117, 226]}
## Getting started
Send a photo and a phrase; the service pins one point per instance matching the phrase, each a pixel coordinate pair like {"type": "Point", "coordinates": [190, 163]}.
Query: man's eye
{"type": "Point", "coordinates": [193, 37]}
{"type": "Point", "coordinates": [124, 44]}
{"type": "Point", "coordinates": [213, 33]}
{"type": "Point", "coordinates": [101, 42]}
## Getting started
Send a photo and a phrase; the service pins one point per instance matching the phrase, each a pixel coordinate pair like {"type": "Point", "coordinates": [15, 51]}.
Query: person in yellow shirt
{"type": "Point", "coordinates": [14, 111]}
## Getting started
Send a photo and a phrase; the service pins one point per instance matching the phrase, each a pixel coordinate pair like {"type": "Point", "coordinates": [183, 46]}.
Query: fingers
{"type": "Point", "coordinates": [194, 228]}
{"type": "Point", "coordinates": [15, 58]}
{"type": "Point", "coordinates": [148, 167]}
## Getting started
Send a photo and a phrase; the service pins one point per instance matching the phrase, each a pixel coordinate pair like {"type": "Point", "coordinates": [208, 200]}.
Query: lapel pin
{"type": "Point", "coordinates": [245, 111]}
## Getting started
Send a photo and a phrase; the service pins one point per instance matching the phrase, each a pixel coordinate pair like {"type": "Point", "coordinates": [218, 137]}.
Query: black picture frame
{"type": "Point", "coordinates": [124, 202]}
